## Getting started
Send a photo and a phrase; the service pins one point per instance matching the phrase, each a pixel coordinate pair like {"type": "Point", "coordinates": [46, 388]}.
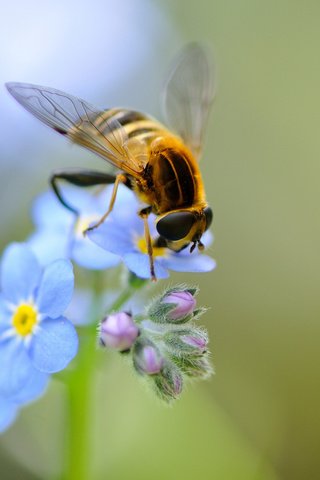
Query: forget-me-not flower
{"type": "Point", "coordinates": [59, 232]}
{"type": "Point", "coordinates": [123, 235]}
{"type": "Point", "coordinates": [35, 339]}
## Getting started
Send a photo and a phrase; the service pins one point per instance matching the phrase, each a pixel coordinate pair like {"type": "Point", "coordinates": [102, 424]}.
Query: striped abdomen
{"type": "Point", "coordinates": [176, 176]}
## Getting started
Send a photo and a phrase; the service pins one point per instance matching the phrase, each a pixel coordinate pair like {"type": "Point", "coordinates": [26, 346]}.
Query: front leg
{"type": "Point", "coordinates": [80, 178]}
{"type": "Point", "coordinates": [120, 178]}
{"type": "Point", "coordinates": [144, 214]}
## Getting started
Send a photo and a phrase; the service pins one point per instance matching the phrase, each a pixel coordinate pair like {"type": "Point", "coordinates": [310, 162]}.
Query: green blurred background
{"type": "Point", "coordinates": [258, 417]}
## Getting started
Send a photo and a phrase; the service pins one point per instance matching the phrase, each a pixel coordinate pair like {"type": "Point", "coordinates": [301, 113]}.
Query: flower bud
{"type": "Point", "coordinates": [187, 341]}
{"type": "Point", "coordinates": [147, 358]}
{"type": "Point", "coordinates": [176, 305]}
{"type": "Point", "coordinates": [196, 341]}
{"type": "Point", "coordinates": [183, 304]}
{"type": "Point", "coordinates": [118, 331]}
{"type": "Point", "coordinates": [197, 367]}
{"type": "Point", "coordinates": [169, 382]}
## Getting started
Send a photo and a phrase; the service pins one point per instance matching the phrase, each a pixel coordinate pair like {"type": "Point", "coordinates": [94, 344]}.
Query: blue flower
{"type": "Point", "coordinates": [123, 234]}
{"type": "Point", "coordinates": [59, 232]}
{"type": "Point", "coordinates": [35, 339]}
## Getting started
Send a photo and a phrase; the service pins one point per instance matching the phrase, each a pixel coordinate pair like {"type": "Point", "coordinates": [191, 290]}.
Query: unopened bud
{"type": "Point", "coordinates": [197, 367]}
{"type": "Point", "coordinates": [118, 331]}
{"type": "Point", "coordinates": [176, 305]}
{"type": "Point", "coordinates": [169, 382]}
{"type": "Point", "coordinates": [146, 358]}
{"type": "Point", "coordinates": [183, 304]}
{"type": "Point", "coordinates": [196, 341]}
{"type": "Point", "coordinates": [187, 341]}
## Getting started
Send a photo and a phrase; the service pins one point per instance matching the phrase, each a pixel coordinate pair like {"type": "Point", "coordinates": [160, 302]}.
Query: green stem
{"type": "Point", "coordinates": [80, 387]}
{"type": "Point", "coordinates": [79, 399]}
{"type": "Point", "coordinates": [135, 284]}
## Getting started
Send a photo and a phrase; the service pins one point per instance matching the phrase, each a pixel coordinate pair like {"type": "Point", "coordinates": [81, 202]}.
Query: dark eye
{"type": "Point", "coordinates": [209, 216]}
{"type": "Point", "coordinates": [175, 226]}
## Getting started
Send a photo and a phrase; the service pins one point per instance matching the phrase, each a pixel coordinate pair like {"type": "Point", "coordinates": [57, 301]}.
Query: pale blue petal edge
{"type": "Point", "coordinates": [16, 367]}
{"type": "Point", "coordinates": [8, 413]}
{"type": "Point", "coordinates": [20, 273]}
{"type": "Point", "coordinates": [54, 345]}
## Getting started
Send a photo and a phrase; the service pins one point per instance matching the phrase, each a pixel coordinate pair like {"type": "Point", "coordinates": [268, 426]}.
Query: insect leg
{"type": "Point", "coordinates": [80, 178]}
{"type": "Point", "coordinates": [120, 178]}
{"type": "Point", "coordinates": [144, 214]}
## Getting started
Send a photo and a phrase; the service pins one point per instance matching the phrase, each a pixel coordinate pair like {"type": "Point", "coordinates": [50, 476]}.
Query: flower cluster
{"type": "Point", "coordinates": [35, 339]}
{"type": "Point", "coordinates": [37, 280]}
{"type": "Point", "coordinates": [165, 345]}
{"type": "Point", "coordinates": [59, 232]}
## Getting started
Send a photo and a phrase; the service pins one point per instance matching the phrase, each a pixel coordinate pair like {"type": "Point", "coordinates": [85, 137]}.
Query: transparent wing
{"type": "Point", "coordinates": [188, 95]}
{"type": "Point", "coordinates": [83, 123]}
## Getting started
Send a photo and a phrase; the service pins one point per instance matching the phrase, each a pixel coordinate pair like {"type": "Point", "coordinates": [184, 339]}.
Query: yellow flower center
{"type": "Point", "coordinates": [157, 251]}
{"type": "Point", "coordinates": [84, 222]}
{"type": "Point", "coordinates": [24, 319]}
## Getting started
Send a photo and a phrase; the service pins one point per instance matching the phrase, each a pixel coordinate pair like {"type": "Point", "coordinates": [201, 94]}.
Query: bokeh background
{"type": "Point", "coordinates": [258, 417]}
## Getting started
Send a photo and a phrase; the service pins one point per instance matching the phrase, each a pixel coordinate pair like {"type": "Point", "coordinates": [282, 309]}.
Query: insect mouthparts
{"type": "Point", "coordinates": [193, 246]}
{"type": "Point", "coordinates": [200, 245]}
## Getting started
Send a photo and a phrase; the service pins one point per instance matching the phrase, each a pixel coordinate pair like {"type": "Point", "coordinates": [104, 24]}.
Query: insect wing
{"type": "Point", "coordinates": [188, 95]}
{"type": "Point", "coordinates": [83, 123]}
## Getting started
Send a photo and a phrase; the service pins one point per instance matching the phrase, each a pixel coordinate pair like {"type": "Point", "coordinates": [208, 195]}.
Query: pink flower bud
{"type": "Point", "coordinates": [176, 383]}
{"type": "Point", "coordinates": [118, 331]}
{"type": "Point", "coordinates": [148, 360]}
{"type": "Point", "coordinates": [185, 304]}
{"type": "Point", "coordinates": [169, 383]}
{"type": "Point", "coordinates": [198, 342]}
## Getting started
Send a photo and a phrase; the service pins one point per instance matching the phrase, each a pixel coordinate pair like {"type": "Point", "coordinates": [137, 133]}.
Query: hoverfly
{"type": "Point", "coordinates": [160, 166]}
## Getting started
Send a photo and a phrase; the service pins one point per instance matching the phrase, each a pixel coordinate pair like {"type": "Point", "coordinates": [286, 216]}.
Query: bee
{"type": "Point", "coordinates": [159, 163]}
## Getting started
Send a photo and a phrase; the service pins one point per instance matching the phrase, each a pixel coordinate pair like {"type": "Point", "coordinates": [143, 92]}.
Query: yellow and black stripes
{"type": "Point", "coordinates": [134, 124]}
{"type": "Point", "coordinates": [177, 178]}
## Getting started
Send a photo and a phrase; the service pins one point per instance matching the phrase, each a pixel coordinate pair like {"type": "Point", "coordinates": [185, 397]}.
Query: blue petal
{"type": "Point", "coordinates": [98, 204]}
{"type": "Point", "coordinates": [54, 345]}
{"type": "Point", "coordinates": [193, 263]}
{"type": "Point", "coordinates": [89, 255]}
{"type": "Point", "coordinates": [47, 211]}
{"type": "Point", "coordinates": [79, 198]}
{"type": "Point", "coordinates": [5, 315]}
{"type": "Point", "coordinates": [20, 273]}
{"type": "Point", "coordinates": [16, 367]}
{"type": "Point", "coordinates": [8, 413]}
{"type": "Point", "coordinates": [112, 238]}
{"type": "Point", "coordinates": [125, 214]}
{"type": "Point", "coordinates": [126, 208]}
{"type": "Point", "coordinates": [34, 388]}
{"type": "Point", "coordinates": [139, 264]}
{"type": "Point", "coordinates": [130, 222]}
{"type": "Point", "coordinates": [56, 287]}
{"type": "Point", "coordinates": [49, 245]}
{"type": "Point", "coordinates": [207, 238]}
{"type": "Point", "coordinates": [78, 311]}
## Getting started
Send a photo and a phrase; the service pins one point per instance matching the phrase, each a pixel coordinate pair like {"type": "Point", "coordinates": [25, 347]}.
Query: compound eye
{"type": "Point", "coordinates": [209, 216]}
{"type": "Point", "coordinates": [176, 226]}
